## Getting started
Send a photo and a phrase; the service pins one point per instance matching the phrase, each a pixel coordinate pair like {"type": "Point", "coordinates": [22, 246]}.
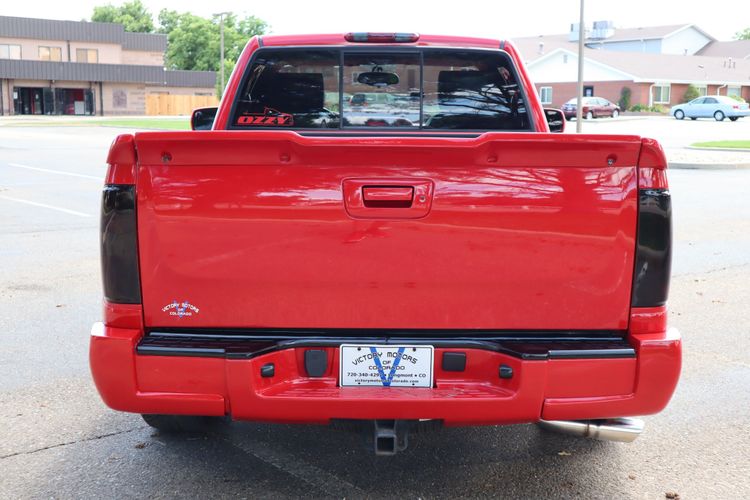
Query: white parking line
{"type": "Point", "coordinates": [43, 205]}
{"type": "Point", "coordinates": [59, 172]}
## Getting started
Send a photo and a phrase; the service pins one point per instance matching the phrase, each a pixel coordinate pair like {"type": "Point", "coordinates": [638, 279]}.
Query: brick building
{"type": "Point", "coordinates": [657, 64]}
{"type": "Point", "coordinates": [84, 68]}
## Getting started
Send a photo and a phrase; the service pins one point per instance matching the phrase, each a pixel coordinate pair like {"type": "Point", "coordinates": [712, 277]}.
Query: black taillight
{"type": "Point", "coordinates": [119, 245]}
{"type": "Point", "coordinates": [653, 257]}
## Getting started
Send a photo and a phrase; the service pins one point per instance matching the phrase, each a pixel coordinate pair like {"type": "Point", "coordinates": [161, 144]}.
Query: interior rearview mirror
{"type": "Point", "coordinates": [203, 118]}
{"type": "Point", "coordinates": [555, 120]}
{"type": "Point", "coordinates": [378, 78]}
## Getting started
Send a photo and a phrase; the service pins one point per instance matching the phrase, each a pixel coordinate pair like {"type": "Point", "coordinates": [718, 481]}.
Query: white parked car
{"type": "Point", "coordinates": [717, 107]}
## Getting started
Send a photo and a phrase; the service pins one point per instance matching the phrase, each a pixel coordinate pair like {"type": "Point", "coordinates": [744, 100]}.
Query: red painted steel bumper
{"type": "Point", "coordinates": [559, 389]}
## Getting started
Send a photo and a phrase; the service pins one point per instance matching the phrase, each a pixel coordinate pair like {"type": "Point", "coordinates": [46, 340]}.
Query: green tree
{"type": "Point", "coordinates": [625, 95]}
{"type": "Point", "coordinates": [134, 16]}
{"type": "Point", "coordinates": [743, 35]}
{"type": "Point", "coordinates": [691, 93]}
{"type": "Point", "coordinates": [194, 41]}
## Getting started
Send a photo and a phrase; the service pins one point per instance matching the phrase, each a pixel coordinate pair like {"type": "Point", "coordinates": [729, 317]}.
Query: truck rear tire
{"type": "Point", "coordinates": [179, 424]}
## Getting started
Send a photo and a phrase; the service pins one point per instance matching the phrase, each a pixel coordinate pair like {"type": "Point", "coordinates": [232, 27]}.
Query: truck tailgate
{"type": "Point", "coordinates": [273, 229]}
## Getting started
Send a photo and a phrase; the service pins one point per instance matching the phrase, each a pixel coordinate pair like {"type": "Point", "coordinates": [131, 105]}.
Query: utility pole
{"type": "Point", "coordinates": [579, 100]}
{"type": "Point", "coordinates": [221, 31]}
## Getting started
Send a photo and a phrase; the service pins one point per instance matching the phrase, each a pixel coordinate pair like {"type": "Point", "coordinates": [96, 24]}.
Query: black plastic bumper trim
{"type": "Point", "coordinates": [208, 344]}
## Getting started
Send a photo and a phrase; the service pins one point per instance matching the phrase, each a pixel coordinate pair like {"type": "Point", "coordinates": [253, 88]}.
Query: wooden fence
{"type": "Point", "coordinates": [167, 104]}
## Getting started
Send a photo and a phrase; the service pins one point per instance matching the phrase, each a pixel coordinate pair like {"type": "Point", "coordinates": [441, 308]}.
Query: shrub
{"type": "Point", "coordinates": [691, 93]}
{"type": "Point", "coordinates": [638, 108]}
{"type": "Point", "coordinates": [737, 98]}
{"type": "Point", "coordinates": [624, 101]}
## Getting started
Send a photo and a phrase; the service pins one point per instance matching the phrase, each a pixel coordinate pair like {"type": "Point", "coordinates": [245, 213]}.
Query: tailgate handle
{"type": "Point", "coordinates": [388, 196]}
{"type": "Point", "coordinates": [373, 198]}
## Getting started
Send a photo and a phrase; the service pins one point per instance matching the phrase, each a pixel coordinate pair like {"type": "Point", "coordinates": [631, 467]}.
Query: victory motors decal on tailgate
{"type": "Point", "coordinates": [269, 118]}
{"type": "Point", "coordinates": [180, 309]}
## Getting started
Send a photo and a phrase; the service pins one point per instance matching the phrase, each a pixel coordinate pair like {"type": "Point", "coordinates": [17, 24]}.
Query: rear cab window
{"type": "Point", "coordinates": [381, 88]}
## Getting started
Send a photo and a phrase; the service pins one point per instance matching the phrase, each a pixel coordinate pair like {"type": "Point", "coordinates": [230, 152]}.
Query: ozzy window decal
{"type": "Point", "coordinates": [269, 118]}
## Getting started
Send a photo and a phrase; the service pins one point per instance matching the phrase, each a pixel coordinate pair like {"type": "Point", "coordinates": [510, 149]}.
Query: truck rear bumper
{"type": "Point", "coordinates": [551, 389]}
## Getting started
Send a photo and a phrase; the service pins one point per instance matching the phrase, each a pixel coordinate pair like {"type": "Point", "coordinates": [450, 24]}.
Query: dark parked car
{"type": "Point", "coordinates": [593, 107]}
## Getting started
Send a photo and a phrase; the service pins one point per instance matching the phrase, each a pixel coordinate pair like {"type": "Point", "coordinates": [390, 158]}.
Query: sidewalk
{"type": "Point", "coordinates": [688, 158]}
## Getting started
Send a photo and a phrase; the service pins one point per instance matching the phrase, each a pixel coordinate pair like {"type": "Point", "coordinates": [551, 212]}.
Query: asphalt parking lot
{"type": "Point", "coordinates": [58, 440]}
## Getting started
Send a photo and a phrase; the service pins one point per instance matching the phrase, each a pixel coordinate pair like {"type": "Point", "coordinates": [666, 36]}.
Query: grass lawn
{"type": "Point", "coordinates": [138, 123]}
{"type": "Point", "coordinates": [155, 123]}
{"type": "Point", "coordinates": [723, 144]}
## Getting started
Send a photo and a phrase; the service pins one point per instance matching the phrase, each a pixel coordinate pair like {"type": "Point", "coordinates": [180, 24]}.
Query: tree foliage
{"type": "Point", "coordinates": [743, 35]}
{"type": "Point", "coordinates": [193, 42]}
{"type": "Point", "coordinates": [134, 16]}
{"type": "Point", "coordinates": [625, 95]}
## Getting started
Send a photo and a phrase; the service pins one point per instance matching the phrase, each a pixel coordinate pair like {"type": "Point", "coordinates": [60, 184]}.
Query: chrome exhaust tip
{"type": "Point", "coordinates": [623, 430]}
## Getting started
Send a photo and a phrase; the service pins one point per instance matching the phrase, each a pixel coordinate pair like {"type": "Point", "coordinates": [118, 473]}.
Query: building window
{"type": "Point", "coordinates": [545, 94]}
{"type": "Point", "coordinates": [50, 53]}
{"type": "Point", "coordinates": [87, 55]}
{"type": "Point", "coordinates": [10, 51]}
{"type": "Point", "coordinates": [734, 91]}
{"type": "Point", "coordinates": [702, 90]}
{"type": "Point", "coordinates": [661, 94]}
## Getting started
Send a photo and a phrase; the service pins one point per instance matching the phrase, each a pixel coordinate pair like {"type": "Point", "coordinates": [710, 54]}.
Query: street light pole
{"type": "Point", "coordinates": [221, 31]}
{"type": "Point", "coordinates": [579, 99]}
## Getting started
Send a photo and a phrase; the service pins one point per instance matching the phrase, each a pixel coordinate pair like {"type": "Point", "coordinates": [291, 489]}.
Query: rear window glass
{"type": "Point", "coordinates": [384, 90]}
{"type": "Point", "coordinates": [401, 89]}
{"type": "Point", "coordinates": [471, 90]}
{"type": "Point", "coordinates": [291, 89]}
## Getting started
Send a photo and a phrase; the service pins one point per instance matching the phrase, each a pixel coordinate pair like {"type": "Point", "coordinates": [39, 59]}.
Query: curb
{"type": "Point", "coordinates": [707, 166]}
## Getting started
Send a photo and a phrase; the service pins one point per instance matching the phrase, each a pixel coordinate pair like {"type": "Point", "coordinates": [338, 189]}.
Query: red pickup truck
{"type": "Point", "coordinates": [384, 228]}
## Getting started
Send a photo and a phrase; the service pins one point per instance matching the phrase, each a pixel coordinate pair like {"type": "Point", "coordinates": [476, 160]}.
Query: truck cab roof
{"type": "Point", "coordinates": [340, 39]}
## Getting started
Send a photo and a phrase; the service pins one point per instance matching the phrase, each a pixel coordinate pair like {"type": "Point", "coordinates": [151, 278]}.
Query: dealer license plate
{"type": "Point", "coordinates": [386, 365]}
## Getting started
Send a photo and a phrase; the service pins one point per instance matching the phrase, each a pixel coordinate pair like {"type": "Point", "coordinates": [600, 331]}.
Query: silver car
{"type": "Point", "coordinates": [717, 107]}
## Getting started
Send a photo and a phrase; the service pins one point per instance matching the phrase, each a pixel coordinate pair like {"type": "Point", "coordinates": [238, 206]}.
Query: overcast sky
{"type": "Point", "coordinates": [496, 19]}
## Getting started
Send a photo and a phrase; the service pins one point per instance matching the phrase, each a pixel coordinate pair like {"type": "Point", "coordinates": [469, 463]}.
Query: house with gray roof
{"type": "Point", "coordinates": [655, 63]}
{"type": "Point", "coordinates": [86, 68]}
